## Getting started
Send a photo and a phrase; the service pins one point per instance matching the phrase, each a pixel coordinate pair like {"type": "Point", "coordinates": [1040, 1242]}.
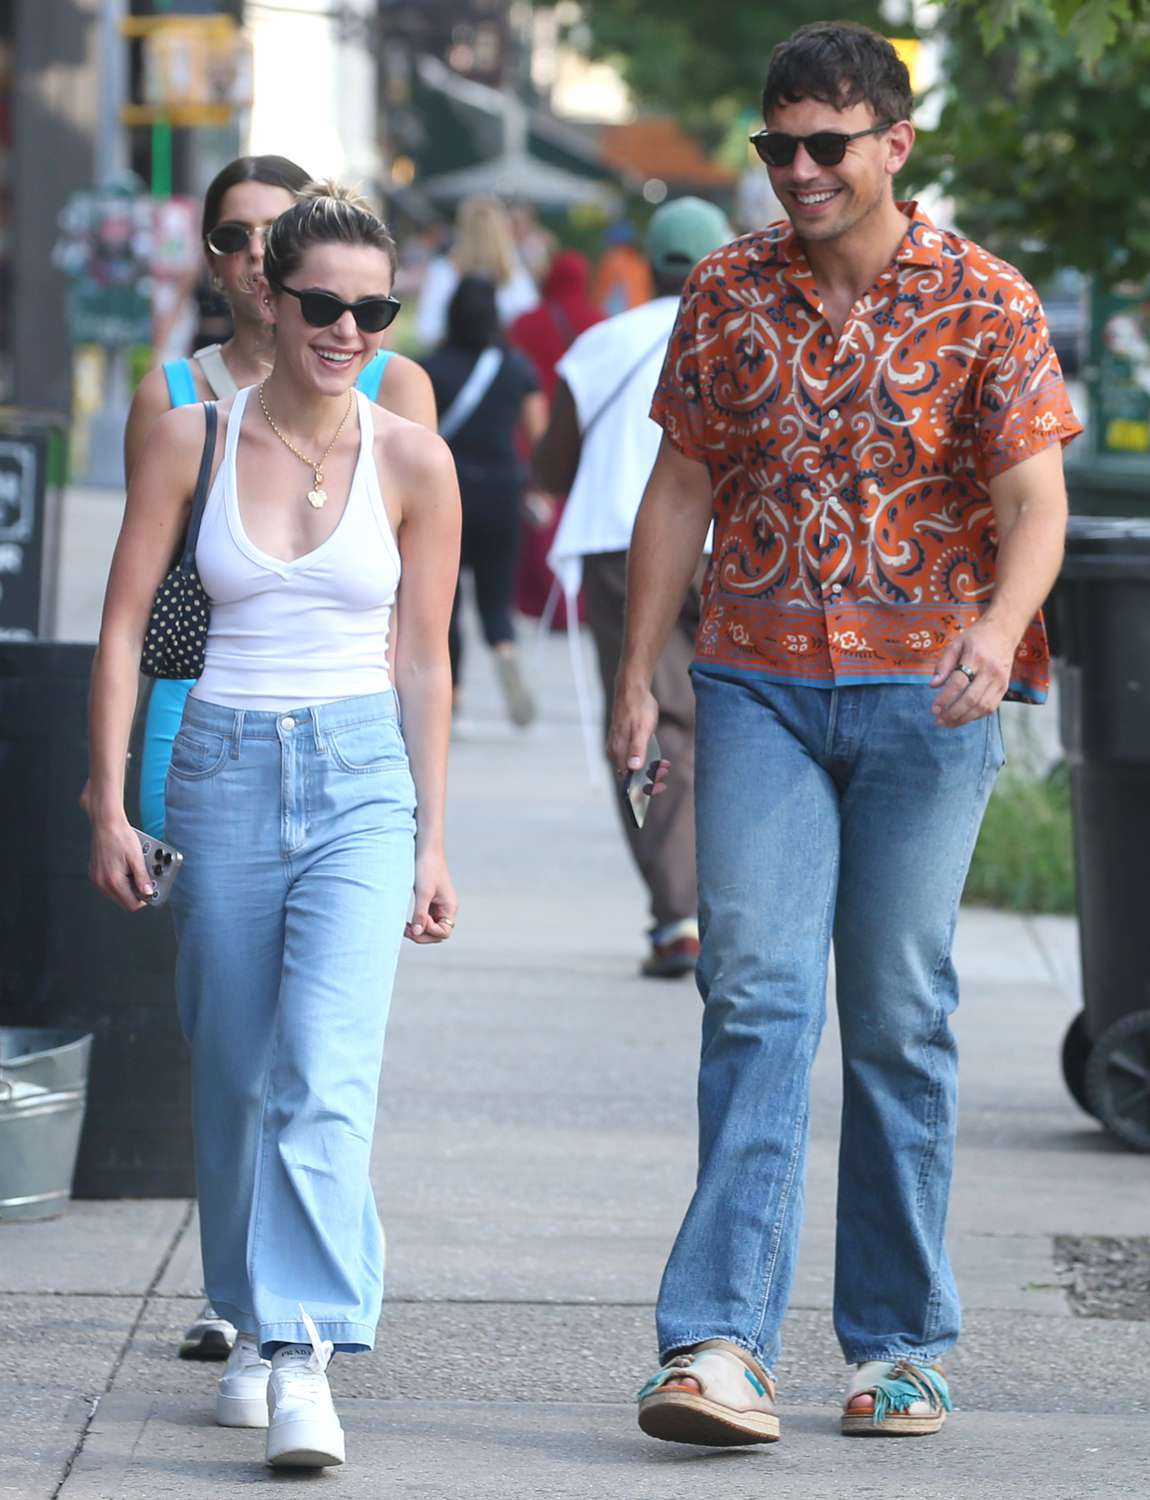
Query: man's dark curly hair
{"type": "Point", "coordinates": [841, 64]}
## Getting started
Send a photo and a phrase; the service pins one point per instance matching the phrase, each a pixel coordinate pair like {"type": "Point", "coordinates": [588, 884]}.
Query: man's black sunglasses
{"type": "Point", "coordinates": [826, 147]}
{"type": "Point", "coordinates": [322, 309]}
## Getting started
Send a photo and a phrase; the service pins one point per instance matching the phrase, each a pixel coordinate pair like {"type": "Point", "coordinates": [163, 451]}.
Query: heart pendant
{"type": "Point", "coordinates": [317, 499]}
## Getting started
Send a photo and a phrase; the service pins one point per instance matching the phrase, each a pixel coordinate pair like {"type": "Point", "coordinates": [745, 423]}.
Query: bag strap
{"type": "Point", "coordinates": [219, 377]}
{"type": "Point", "coordinates": [180, 382]}
{"type": "Point", "coordinates": [203, 480]}
{"type": "Point", "coordinates": [624, 383]}
{"type": "Point", "coordinates": [475, 387]}
{"type": "Point", "coordinates": [561, 324]}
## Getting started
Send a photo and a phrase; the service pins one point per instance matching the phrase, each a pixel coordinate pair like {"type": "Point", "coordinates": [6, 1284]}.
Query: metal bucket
{"type": "Point", "coordinates": [43, 1090]}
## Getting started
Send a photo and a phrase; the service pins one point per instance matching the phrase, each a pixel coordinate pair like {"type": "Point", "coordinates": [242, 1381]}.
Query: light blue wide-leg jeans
{"type": "Point", "coordinates": [297, 831]}
{"type": "Point", "coordinates": [843, 814]}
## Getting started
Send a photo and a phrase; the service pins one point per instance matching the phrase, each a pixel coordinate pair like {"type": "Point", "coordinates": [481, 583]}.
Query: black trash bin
{"type": "Point", "coordinates": [1103, 614]}
{"type": "Point", "coordinates": [68, 957]}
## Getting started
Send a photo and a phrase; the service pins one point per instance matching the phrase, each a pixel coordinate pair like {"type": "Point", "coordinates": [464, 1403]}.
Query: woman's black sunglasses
{"type": "Point", "coordinates": [826, 147]}
{"type": "Point", "coordinates": [322, 309]}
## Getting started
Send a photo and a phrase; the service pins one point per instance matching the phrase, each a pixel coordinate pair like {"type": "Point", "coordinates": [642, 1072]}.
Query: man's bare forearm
{"type": "Point", "coordinates": [1030, 508]}
{"type": "Point", "coordinates": [1029, 560]}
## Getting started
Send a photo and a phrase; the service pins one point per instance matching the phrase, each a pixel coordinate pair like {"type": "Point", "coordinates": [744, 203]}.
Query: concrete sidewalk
{"type": "Point", "coordinates": [534, 1154]}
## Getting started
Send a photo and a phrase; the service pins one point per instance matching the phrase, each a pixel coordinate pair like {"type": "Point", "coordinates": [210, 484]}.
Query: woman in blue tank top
{"type": "Point", "coordinates": [239, 205]}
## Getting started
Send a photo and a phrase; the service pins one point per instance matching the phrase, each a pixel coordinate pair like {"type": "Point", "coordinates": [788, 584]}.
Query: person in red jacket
{"type": "Point", "coordinates": [545, 334]}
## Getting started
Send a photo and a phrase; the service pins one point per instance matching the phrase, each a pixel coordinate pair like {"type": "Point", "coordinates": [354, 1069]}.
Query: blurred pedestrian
{"type": "Point", "coordinates": [623, 275]}
{"type": "Point", "coordinates": [873, 414]}
{"type": "Point", "coordinates": [484, 246]}
{"type": "Point", "coordinates": [240, 205]}
{"type": "Point", "coordinates": [306, 815]}
{"type": "Point", "coordinates": [544, 335]}
{"type": "Point", "coordinates": [486, 392]}
{"type": "Point", "coordinates": [535, 245]}
{"type": "Point", "coordinates": [600, 443]}
{"type": "Point", "coordinates": [565, 310]}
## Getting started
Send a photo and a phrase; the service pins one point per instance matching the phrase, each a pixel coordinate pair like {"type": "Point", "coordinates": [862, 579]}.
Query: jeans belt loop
{"type": "Point", "coordinates": [237, 733]}
{"type": "Point", "coordinates": [317, 731]}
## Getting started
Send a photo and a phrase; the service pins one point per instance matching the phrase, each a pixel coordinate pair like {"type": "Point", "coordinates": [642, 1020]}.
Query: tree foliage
{"type": "Point", "coordinates": [702, 62]}
{"type": "Point", "coordinates": [1044, 158]}
{"type": "Point", "coordinates": [1093, 27]}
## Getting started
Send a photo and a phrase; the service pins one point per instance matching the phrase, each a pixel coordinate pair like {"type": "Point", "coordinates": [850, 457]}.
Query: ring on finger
{"type": "Point", "coordinates": [968, 672]}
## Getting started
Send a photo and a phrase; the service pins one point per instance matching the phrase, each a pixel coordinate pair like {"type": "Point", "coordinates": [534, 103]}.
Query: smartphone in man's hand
{"type": "Point", "coordinates": [637, 785]}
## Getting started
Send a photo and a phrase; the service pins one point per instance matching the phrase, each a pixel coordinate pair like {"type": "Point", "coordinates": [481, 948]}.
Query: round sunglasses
{"type": "Point", "coordinates": [322, 309]}
{"type": "Point", "coordinates": [826, 148]}
{"type": "Point", "coordinates": [233, 236]}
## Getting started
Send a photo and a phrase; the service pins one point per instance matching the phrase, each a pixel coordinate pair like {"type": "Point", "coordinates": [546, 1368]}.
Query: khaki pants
{"type": "Point", "coordinates": [664, 848]}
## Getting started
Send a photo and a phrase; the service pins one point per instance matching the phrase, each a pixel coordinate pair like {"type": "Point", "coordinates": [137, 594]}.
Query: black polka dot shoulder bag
{"type": "Point", "coordinates": [178, 628]}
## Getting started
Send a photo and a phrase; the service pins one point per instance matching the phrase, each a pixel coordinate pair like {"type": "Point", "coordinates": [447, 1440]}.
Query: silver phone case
{"type": "Point", "coordinates": [163, 864]}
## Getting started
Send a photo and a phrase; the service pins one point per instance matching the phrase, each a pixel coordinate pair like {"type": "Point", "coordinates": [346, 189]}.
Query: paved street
{"type": "Point", "coordinates": [534, 1153]}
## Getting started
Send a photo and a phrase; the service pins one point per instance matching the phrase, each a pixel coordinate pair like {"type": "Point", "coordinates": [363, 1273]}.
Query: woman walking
{"type": "Point", "coordinates": [310, 818]}
{"type": "Point", "coordinates": [241, 202]}
{"type": "Point", "coordinates": [486, 393]}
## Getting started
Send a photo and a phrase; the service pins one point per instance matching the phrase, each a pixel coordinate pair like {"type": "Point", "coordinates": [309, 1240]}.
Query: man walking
{"type": "Point", "coordinates": [872, 411]}
{"type": "Point", "coordinates": [600, 446]}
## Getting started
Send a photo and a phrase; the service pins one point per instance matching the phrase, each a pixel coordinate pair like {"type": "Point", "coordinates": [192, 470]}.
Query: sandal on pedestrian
{"type": "Point", "coordinates": [734, 1405]}
{"type": "Point", "coordinates": [909, 1400]}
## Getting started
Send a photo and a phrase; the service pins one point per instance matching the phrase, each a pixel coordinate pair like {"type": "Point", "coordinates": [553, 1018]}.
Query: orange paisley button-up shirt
{"type": "Point", "coordinates": [854, 533]}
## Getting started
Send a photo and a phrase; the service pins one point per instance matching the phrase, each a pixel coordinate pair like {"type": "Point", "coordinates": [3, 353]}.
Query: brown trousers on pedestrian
{"type": "Point", "coordinates": [664, 848]}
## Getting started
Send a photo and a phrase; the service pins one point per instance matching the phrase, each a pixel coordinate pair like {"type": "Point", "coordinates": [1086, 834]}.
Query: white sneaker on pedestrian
{"type": "Point", "coordinates": [209, 1337]}
{"type": "Point", "coordinates": [303, 1429]}
{"type": "Point", "coordinates": [242, 1390]}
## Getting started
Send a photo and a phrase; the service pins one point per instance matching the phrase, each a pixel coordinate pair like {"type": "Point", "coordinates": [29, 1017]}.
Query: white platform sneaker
{"type": "Point", "coordinates": [303, 1429]}
{"type": "Point", "coordinates": [242, 1390]}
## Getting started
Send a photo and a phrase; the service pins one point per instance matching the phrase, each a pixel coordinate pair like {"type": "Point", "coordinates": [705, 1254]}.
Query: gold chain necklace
{"type": "Point", "coordinates": [317, 497]}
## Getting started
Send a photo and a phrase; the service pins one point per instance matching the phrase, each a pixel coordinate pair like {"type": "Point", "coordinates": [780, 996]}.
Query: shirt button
{"type": "Point", "coordinates": [288, 723]}
{"type": "Point", "coordinates": [836, 589]}
{"type": "Point", "coordinates": [833, 414]}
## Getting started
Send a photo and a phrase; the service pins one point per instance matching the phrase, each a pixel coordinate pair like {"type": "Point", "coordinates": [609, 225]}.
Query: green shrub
{"type": "Point", "coordinates": [1024, 860]}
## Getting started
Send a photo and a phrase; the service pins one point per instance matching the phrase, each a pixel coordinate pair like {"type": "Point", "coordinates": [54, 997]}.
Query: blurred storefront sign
{"type": "Point", "coordinates": [195, 70]}
{"type": "Point", "coordinates": [131, 262]}
{"type": "Point", "coordinates": [104, 249]}
{"type": "Point", "coordinates": [31, 472]}
{"type": "Point", "coordinates": [1120, 357]}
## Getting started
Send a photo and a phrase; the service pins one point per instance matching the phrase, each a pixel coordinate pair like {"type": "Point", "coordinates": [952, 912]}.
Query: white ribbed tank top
{"type": "Point", "coordinates": [289, 634]}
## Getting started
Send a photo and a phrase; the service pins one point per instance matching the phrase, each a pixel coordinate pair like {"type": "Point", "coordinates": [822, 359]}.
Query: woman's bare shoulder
{"type": "Point", "coordinates": [412, 457]}
{"type": "Point", "coordinates": [177, 436]}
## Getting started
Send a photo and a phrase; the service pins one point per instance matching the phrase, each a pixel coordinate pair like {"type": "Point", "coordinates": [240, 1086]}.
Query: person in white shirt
{"type": "Point", "coordinates": [600, 446]}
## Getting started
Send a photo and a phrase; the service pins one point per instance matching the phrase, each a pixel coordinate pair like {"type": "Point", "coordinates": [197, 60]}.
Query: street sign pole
{"type": "Point", "coordinates": [162, 139]}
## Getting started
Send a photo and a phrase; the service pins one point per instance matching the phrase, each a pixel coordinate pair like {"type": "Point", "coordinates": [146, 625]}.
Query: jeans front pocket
{"type": "Point", "coordinates": [197, 754]}
{"type": "Point", "coordinates": [363, 748]}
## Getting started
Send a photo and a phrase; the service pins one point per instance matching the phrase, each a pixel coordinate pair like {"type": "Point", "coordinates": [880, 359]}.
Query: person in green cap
{"type": "Point", "coordinates": [600, 446]}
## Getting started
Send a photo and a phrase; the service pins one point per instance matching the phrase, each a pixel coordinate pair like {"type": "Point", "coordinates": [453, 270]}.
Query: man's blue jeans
{"type": "Point", "coordinates": [845, 813]}
{"type": "Point", "coordinates": [298, 834]}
